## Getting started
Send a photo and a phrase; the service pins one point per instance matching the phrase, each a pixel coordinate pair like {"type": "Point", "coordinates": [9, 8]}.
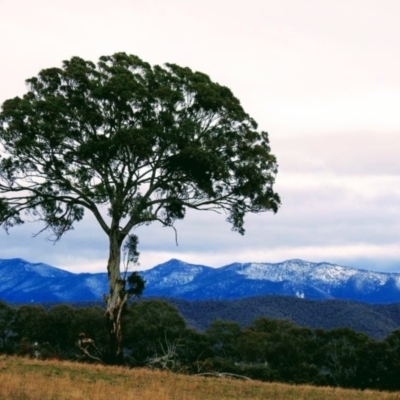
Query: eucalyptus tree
{"type": "Point", "coordinates": [146, 142]}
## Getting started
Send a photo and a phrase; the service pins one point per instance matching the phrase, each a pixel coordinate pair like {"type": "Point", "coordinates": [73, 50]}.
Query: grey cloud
{"type": "Point", "coordinates": [314, 213]}
{"type": "Point", "coordinates": [353, 153]}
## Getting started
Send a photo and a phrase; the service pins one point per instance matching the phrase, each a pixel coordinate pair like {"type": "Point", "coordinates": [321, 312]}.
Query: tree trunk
{"type": "Point", "coordinates": [116, 299]}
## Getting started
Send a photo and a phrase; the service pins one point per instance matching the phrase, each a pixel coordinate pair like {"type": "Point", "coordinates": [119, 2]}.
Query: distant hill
{"type": "Point", "coordinates": [24, 282]}
{"type": "Point", "coordinates": [296, 278]}
{"type": "Point", "coordinates": [376, 321]}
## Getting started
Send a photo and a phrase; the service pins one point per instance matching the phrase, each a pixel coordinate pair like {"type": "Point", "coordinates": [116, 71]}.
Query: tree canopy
{"type": "Point", "coordinates": [146, 142]}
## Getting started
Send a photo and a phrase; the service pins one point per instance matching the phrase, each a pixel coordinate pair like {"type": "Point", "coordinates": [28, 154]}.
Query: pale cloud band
{"type": "Point", "coordinates": [321, 77]}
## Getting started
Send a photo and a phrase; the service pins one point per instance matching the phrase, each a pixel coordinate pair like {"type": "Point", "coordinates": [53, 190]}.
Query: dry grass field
{"type": "Point", "coordinates": [26, 379]}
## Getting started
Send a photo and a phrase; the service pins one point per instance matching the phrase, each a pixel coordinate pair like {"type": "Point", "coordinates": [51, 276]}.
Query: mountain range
{"type": "Point", "coordinates": [24, 282]}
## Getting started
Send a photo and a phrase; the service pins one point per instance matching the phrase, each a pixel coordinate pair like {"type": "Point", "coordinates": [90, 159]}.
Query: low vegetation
{"type": "Point", "coordinates": [156, 337]}
{"type": "Point", "coordinates": [27, 379]}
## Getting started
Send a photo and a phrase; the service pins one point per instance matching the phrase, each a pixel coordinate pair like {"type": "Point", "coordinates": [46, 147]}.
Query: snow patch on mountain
{"type": "Point", "coordinates": [303, 271]}
{"type": "Point", "coordinates": [98, 283]}
{"type": "Point", "coordinates": [173, 272]}
{"type": "Point", "coordinates": [46, 270]}
{"type": "Point", "coordinates": [22, 281]}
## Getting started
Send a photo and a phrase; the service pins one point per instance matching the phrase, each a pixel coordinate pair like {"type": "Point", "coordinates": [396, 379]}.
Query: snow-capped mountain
{"type": "Point", "coordinates": [21, 281]}
{"type": "Point", "coordinates": [293, 277]}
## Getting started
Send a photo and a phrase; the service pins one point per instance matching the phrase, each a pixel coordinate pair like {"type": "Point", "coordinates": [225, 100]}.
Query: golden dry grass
{"type": "Point", "coordinates": [25, 379]}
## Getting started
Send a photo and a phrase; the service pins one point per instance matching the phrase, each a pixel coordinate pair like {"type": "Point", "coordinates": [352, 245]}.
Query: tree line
{"type": "Point", "coordinates": [157, 336]}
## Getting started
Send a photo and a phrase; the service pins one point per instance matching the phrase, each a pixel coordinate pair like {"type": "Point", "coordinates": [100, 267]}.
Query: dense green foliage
{"type": "Point", "coordinates": [146, 142]}
{"type": "Point", "coordinates": [157, 336]}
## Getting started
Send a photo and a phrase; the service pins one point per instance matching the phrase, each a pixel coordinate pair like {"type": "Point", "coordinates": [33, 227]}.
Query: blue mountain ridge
{"type": "Point", "coordinates": [24, 282]}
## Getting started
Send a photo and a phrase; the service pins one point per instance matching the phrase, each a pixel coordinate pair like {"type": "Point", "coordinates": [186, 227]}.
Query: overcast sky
{"type": "Point", "coordinates": [322, 77]}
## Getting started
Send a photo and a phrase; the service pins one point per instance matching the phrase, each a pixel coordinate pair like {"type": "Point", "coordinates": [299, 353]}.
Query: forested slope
{"type": "Point", "coordinates": [376, 321]}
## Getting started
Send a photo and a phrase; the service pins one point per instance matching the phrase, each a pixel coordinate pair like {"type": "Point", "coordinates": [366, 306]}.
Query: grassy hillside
{"type": "Point", "coordinates": [26, 379]}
